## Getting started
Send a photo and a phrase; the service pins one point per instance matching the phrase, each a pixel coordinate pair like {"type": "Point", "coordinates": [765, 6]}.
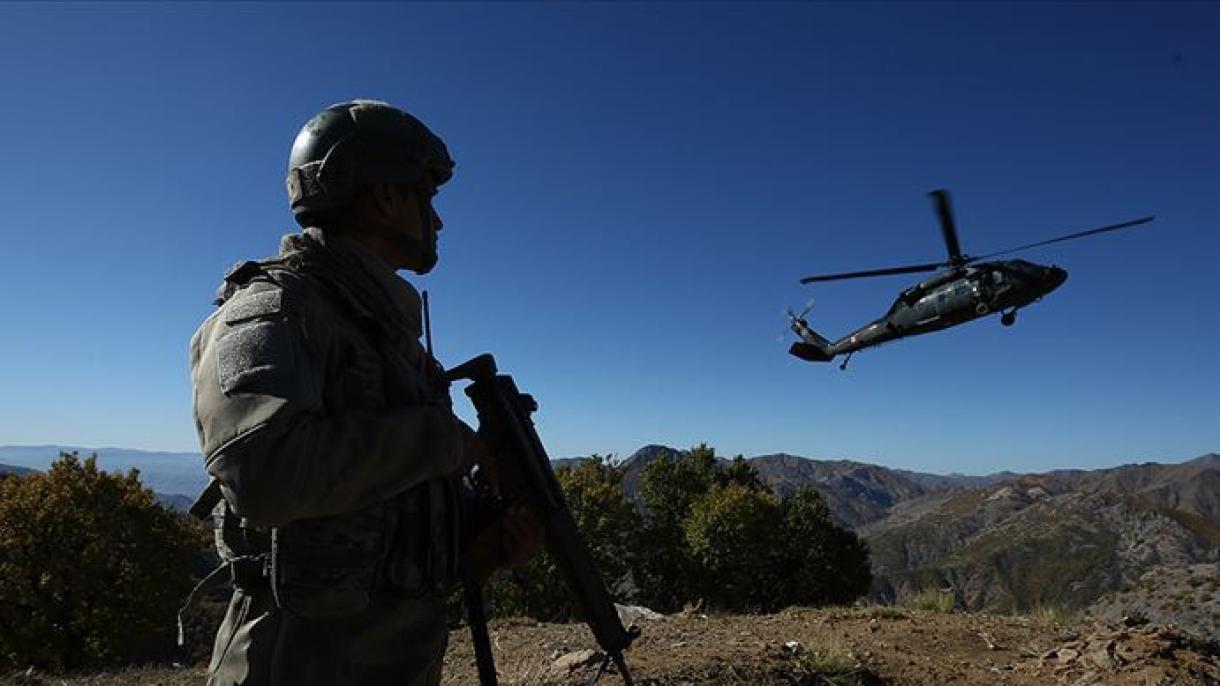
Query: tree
{"type": "Point", "coordinates": [741, 473]}
{"type": "Point", "coordinates": [715, 532]}
{"type": "Point", "coordinates": [610, 525]}
{"type": "Point", "coordinates": [712, 531]}
{"type": "Point", "coordinates": [733, 533]}
{"type": "Point", "coordinates": [827, 564]}
{"type": "Point", "coordinates": [669, 487]}
{"type": "Point", "coordinates": [93, 568]}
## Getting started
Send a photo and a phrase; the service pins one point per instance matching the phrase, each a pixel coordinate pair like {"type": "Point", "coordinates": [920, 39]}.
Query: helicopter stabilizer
{"type": "Point", "coordinates": [812, 348]}
{"type": "Point", "coordinates": [810, 353]}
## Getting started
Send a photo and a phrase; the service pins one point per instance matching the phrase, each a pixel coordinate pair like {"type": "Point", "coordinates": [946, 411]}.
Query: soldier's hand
{"type": "Point", "coordinates": [521, 538]}
{"type": "Point", "coordinates": [510, 541]}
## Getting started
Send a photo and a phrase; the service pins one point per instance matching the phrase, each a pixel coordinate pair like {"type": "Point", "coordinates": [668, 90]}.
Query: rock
{"type": "Point", "coordinates": [1105, 657]}
{"type": "Point", "coordinates": [580, 659]}
{"type": "Point", "coordinates": [1067, 655]}
{"type": "Point", "coordinates": [1089, 679]}
{"type": "Point", "coordinates": [630, 614]}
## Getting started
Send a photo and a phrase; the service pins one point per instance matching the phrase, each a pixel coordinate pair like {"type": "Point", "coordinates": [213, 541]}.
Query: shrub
{"type": "Point", "coordinates": [824, 563]}
{"type": "Point", "coordinates": [93, 568]}
{"type": "Point", "coordinates": [669, 487]}
{"type": "Point", "coordinates": [716, 533]}
{"type": "Point", "coordinates": [732, 535]}
{"type": "Point", "coordinates": [710, 532]}
{"type": "Point", "coordinates": [610, 525]}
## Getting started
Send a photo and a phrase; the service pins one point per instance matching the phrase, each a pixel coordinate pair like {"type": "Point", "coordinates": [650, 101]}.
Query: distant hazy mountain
{"type": "Point", "coordinates": [168, 473]}
{"type": "Point", "coordinates": [174, 501]}
{"type": "Point", "coordinates": [10, 469]}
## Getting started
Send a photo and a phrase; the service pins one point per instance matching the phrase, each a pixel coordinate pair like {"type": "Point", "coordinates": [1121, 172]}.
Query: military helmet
{"type": "Point", "coordinates": [352, 144]}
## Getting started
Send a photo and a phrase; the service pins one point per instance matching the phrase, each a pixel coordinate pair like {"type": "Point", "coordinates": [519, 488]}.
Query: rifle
{"type": "Point", "coordinates": [525, 477]}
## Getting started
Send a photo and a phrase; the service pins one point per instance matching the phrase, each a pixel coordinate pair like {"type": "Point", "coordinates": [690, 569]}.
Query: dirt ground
{"type": "Point", "coordinates": [836, 647]}
{"type": "Point", "coordinates": [857, 646]}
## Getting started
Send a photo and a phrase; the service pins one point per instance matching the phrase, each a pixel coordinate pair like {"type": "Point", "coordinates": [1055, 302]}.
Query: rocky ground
{"type": "Point", "coordinates": [838, 647]}
{"type": "Point", "coordinates": [1186, 595]}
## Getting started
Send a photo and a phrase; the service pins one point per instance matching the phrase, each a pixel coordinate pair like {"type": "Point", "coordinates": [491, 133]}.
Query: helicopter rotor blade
{"type": "Point", "coordinates": [932, 266]}
{"type": "Point", "coordinates": [1072, 236]}
{"type": "Point", "coordinates": [947, 226]}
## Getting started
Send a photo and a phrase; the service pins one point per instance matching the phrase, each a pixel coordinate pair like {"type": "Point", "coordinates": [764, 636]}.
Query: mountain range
{"type": "Point", "coordinates": [176, 478]}
{"type": "Point", "coordinates": [1135, 540]}
{"type": "Point", "coordinates": [1140, 540]}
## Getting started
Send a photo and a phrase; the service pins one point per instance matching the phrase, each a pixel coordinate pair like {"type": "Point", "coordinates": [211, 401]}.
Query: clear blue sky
{"type": "Point", "coordinates": [639, 187]}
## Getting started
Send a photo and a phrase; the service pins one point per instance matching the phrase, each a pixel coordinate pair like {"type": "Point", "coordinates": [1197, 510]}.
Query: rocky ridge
{"type": "Point", "coordinates": [1131, 540]}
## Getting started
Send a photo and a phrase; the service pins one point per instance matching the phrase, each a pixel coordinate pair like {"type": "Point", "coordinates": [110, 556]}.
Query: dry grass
{"type": "Point", "coordinates": [930, 600]}
{"type": "Point", "coordinates": [1055, 614]}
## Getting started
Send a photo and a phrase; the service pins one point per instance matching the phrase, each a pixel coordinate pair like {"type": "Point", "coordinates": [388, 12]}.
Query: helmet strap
{"type": "Point", "coordinates": [428, 245]}
{"type": "Point", "coordinates": [424, 250]}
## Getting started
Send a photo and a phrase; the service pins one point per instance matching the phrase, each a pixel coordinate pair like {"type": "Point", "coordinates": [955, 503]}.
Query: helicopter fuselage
{"type": "Point", "coordinates": [955, 296]}
{"type": "Point", "coordinates": [966, 288]}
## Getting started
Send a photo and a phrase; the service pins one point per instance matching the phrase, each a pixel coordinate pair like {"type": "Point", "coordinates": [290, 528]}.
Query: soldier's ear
{"type": "Point", "coordinates": [379, 200]}
{"type": "Point", "coordinates": [386, 196]}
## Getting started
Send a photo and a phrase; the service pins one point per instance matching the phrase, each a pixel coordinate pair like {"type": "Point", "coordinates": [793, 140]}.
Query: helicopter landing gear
{"type": "Point", "coordinates": [1009, 318]}
{"type": "Point", "coordinates": [843, 366]}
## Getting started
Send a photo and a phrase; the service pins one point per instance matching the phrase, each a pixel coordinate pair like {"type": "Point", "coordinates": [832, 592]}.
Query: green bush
{"type": "Point", "coordinates": [731, 532]}
{"type": "Point", "coordinates": [669, 487]}
{"type": "Point", "coordinates": [824, 563]}
{"type": "Point", "coordinates": [710, 532]}
{"type": "Point", "coordinates": [717, 533]}
{"type": "Point", "coordinates": [93, 569]}
{"type": "Point", "coordinates": [610, 525]}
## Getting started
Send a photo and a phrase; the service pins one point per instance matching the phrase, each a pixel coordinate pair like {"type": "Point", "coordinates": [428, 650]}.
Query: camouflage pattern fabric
{"type": "Point", "coordinates": [396, 641]}
{"type": "Point", "coordinates": [318, 414]}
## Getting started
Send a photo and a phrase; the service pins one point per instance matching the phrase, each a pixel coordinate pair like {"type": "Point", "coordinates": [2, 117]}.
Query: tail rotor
{"type": "Point", "coordinates": [795, 320]}
{"type": "Point", "coordinates": [812, 347]}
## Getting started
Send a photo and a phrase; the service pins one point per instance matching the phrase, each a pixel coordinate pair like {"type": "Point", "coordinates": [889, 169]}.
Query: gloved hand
{"type": "Point", "coordinates": [510, 541]}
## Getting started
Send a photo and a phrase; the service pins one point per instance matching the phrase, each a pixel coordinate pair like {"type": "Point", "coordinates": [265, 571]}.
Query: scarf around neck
{"type": "Point", "coordinates": [366, 288]}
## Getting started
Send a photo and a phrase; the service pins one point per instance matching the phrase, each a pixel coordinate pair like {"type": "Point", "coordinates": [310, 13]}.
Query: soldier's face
{"type": "Point", "coordinates": [413, 217]}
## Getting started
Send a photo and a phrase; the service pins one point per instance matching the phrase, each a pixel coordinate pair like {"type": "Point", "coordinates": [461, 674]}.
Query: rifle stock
{"type": "Point", "coordinates": [526, 478]}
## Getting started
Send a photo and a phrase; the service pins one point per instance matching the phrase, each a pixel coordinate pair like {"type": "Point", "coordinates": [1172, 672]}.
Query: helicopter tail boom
{"type": "Point", "coordinates": [812, 348]}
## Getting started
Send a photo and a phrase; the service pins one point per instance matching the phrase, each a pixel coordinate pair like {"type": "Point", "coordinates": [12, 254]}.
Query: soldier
{"type": "Point", "coordinates": [328, 429]}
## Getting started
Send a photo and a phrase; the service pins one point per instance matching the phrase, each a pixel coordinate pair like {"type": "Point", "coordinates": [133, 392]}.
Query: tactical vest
{"type": "Point", "coordinates": [406, 546]}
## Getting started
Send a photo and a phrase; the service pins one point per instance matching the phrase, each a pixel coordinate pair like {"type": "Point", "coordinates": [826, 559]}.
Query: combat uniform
{"type": "Point", "coordinates": [324, 422]}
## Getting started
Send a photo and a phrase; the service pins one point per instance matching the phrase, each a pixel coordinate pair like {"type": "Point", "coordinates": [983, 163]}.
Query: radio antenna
{"type": "Point", "coordinates": [427, 326]}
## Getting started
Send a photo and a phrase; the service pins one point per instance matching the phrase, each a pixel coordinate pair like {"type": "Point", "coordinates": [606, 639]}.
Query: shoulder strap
{"type": "Point", "coordinates": [242, 273]}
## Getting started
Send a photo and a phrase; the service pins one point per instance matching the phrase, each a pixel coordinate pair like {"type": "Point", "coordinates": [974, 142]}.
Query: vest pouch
{"type": "Point", "coordinates": [327, 567]}
{"type": "Point", "coordinates": [234, 537]}
{"type": "Point", "coordinates": [423, 554]}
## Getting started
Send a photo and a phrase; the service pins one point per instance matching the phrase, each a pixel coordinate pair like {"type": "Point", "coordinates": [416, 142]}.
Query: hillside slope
{"type": "Point", "coordinates": [1020, 546]}
{"type": "Point", "coordinates": [1136, 539]}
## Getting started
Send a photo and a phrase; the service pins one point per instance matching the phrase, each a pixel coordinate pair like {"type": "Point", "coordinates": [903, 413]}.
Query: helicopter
{"type": "Point", "coordinates": [967, 289]}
